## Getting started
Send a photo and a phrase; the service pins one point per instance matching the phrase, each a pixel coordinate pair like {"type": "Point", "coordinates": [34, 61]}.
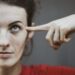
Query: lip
{"type": "Point", "coordinates": [5, 55]}
{"type": "Point", "coordinates": [6, 52]}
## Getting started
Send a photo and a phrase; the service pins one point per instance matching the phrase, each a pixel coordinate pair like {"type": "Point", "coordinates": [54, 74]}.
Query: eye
{"type": "Point", "coordinates": [15, 28]}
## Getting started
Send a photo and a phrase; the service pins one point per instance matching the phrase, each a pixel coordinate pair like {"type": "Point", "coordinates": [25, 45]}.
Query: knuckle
{"type": "Point", "coordinates": [56, 40]}
{"type": "Point", "coordinates": [47, 38]}
{"type": "Point", "coordinates": [56, 46]}
{"type": "Point", "coordinates": [57, 43]}
{"type": "Point", "coordinates": [62, 40]}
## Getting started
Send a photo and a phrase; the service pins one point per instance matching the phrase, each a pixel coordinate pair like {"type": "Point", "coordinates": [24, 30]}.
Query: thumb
{"type": "Point", "coordinates": [67, 39]}
{"type": "Point", "coordinates": [67, 34]}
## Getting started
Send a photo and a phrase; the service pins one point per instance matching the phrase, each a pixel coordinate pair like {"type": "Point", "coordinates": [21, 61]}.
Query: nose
{"type": "Point", "coordinates": [4, 42]}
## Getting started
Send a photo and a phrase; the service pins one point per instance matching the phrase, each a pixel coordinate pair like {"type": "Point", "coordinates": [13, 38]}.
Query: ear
{"type": "Point", "coordinates": [31, 33]}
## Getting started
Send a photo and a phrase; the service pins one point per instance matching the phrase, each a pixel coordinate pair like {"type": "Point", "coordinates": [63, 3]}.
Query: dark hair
{"type": "Point", "coordinates": [29, 5]}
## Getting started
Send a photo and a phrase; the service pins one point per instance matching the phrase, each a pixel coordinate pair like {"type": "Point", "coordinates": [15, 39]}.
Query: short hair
{"type": "Point", "coordinates": [29, 5]}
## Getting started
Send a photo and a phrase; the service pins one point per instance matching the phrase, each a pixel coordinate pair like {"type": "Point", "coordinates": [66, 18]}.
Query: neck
{"type": "Point", "coordinates": [15, 70]}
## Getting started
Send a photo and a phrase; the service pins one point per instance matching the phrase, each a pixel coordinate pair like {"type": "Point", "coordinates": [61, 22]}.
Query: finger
{"type": "Point", "coordinates": [56, 36]}
{"type": "Point", "coordinates": [49, 35]}
{"type": "Point", "coordinates": [62, 35]}
{"type": "Point", "coordinates": [67, 39]}
{"type": "Point", "coordinates": [37, 28]}
{"type": "Point", "coordinates": [56, 46]}
{"type": "Point", "coordinates": [56, 39]}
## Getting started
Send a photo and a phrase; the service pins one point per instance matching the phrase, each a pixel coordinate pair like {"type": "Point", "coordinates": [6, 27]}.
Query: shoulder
{"type": "Point", "coordinates": [47, 70]}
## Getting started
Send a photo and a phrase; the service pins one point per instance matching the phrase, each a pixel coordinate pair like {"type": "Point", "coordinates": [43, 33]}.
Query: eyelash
{"type": "Point", "coordinates": [13, 27]}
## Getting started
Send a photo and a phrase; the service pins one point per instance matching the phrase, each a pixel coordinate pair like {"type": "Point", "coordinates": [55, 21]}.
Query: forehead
{"type": "Point", "coordinates": [11, 13]}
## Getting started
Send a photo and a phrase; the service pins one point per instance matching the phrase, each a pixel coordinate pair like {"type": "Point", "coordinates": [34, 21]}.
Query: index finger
{"type": "Point", "coordinates": [38, 28]}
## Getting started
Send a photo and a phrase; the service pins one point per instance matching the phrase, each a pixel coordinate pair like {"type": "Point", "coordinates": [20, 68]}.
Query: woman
{"type": "Point", "coordinates": [15, 17]}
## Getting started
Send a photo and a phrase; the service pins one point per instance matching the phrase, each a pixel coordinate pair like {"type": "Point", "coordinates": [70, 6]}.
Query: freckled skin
{"type": "Point", "coordinates": [16, 41]}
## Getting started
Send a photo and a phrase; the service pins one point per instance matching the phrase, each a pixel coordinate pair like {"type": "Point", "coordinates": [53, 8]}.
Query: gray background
{"type": "Point", "coordinates": [42, 52]}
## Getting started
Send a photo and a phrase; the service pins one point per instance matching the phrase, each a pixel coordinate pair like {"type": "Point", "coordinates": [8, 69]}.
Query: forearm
{"type": "Point", "coordinates": [66, 21]}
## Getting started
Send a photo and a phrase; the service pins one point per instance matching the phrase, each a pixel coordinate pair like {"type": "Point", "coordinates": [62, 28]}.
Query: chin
{"type": "Point", "coordinates": [8, 63]}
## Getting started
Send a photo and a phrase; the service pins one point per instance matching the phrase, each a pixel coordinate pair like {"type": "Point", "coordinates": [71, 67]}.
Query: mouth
{"type": "Point", "coordinates": [6, 52]}
{"type": "Point", "coordinates": [5, 55]}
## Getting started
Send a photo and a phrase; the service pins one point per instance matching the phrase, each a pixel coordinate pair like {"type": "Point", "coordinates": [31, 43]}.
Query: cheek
{"type": "Point", "coordinates": [18, 41]}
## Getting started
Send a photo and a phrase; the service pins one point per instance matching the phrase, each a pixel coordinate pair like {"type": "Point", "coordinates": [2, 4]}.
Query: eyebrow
{"type": "Point", "coordinates": [14, 23]}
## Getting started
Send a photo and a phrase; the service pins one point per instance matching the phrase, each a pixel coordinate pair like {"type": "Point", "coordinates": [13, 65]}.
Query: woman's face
{"type": "Point", "coordinates": [13, 21]}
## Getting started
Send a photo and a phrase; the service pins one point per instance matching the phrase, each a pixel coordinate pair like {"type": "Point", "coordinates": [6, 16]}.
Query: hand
{"type": "Point", "coordinates": [58, 30]}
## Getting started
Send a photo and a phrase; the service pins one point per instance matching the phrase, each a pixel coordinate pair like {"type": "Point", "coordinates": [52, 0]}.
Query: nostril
{"type": "Point", "coordinates": [4, 45]}
{"type": "Point", "coordinates": [7, 45]}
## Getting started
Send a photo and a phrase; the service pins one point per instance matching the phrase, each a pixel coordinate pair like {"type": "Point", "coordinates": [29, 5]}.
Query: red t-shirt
{"type": "Point", "coordinates": [47, 70]}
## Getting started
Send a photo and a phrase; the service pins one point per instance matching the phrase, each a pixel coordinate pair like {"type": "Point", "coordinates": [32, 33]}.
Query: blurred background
{"type": "Point", "coordinates": [42, 52]}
